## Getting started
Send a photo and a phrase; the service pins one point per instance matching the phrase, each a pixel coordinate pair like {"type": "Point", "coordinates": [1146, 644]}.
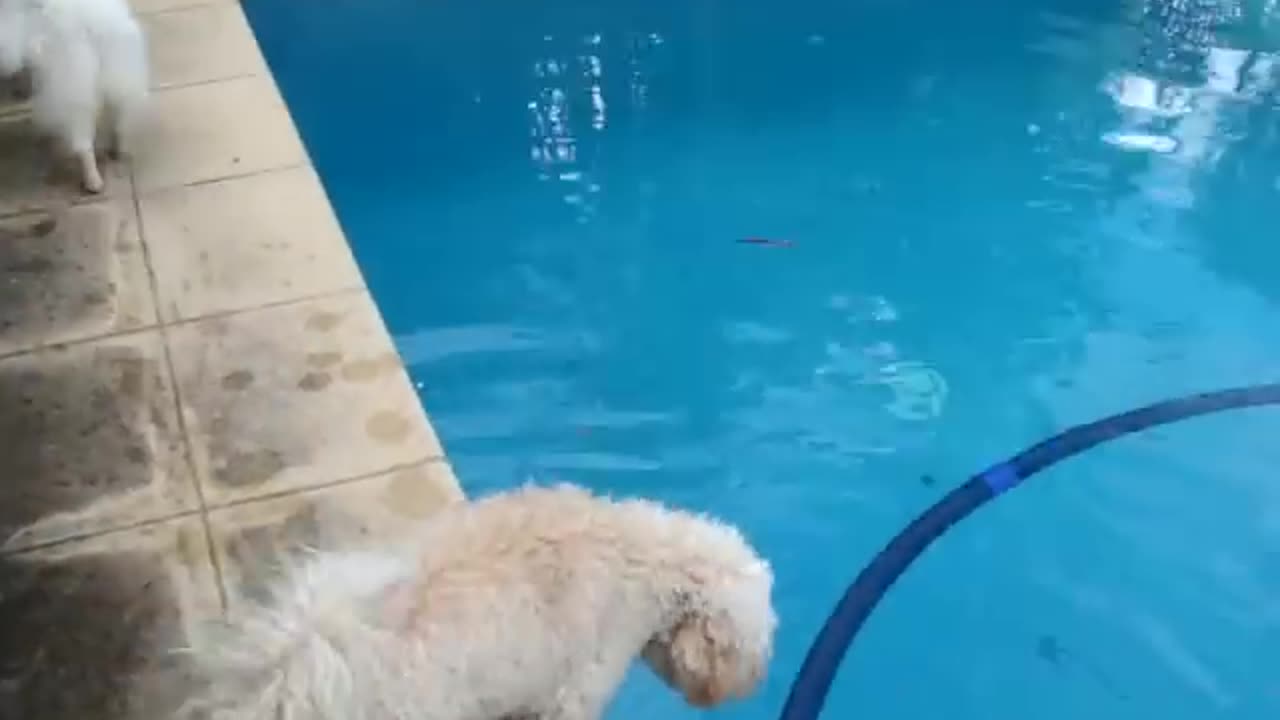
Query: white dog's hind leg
{"type": "Point", "coordinates": [90, 176]}
{"type": "Point", "coordinates": [66, 102]}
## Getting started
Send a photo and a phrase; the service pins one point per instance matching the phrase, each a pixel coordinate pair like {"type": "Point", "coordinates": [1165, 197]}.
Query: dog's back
{"type": "Point", "coordinates": [98, 41]}
{"type": "Point", "coordinates": [528, 603]}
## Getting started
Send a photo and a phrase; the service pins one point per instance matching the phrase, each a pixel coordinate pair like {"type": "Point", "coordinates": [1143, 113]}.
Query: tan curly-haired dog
{"type": "Point", "coordinates": [531, 603]}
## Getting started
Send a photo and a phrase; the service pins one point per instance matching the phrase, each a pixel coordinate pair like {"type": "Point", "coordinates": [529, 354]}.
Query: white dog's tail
{"type": "Point", "coordinates": [319, 650]}
{"type": "Point", "coordinates": [86, 52]}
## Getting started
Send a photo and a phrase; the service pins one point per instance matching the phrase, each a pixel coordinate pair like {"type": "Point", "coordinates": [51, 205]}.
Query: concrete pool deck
{"type": "Point", "coordinates": [193, 381]}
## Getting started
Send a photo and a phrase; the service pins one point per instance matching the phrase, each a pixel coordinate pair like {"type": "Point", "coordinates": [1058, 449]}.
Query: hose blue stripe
{"type": "Point", "coordinates": [1002, 477]}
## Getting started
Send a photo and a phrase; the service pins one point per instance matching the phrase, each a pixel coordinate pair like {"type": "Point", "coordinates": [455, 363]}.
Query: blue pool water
{"type": "Point", "coordinates": [1002, 219]}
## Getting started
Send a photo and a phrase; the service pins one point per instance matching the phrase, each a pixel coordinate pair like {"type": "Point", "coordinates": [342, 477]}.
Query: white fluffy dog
{"type": "Point", "coordinates": [530, 604]}
{"type": "Point", "coordinates": [85, 57]}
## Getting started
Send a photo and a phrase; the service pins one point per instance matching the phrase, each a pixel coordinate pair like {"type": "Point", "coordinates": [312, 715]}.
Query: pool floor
{"type": "Point", "coordinates": [808, 265]}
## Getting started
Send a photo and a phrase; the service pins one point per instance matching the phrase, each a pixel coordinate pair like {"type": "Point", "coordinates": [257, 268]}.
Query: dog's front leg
{"type": "Point", "coordinates": [575, 709]}
{"type": "Point", "coordinates": [595, 686]}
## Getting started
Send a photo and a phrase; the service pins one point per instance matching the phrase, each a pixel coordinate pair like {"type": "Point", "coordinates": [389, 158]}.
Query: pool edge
{"type": "Point", "coordinates": [379, 434]}
{"type": "Point", "coordinates": [201, 337]}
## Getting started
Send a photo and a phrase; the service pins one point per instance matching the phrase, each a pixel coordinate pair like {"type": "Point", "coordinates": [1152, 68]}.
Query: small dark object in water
{"type": "Point", "coordinates": [1052, 652]}
{"type": "Point", "coordinates": [927, 480]}
{"type": "Point", "coordinates": [764, 241]}
{"type": "Point", "coordinates": [1049, 650]}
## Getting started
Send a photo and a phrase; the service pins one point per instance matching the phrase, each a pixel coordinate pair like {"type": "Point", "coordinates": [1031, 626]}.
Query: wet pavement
{"type": "Point", "coordinates": [193, 382]}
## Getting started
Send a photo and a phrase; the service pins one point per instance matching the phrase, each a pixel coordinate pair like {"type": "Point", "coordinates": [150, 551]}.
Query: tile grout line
{"type": "Point", "coordinates": [226, 178]}
{"type": "Point", "coordinates": [219, 507]}
{"type": "Point", "coordinates": [180, 8]}
{"type": "Point", "coordinates": [236, 176]}
{"type": "Point", "coordinates": [80, 201]}
{"type": "Point", "coordinates": [189, 454]}
{"type": "Point", "coordinates": [269, 305]}
{"type": "Point", "coordinates": [96, 337]}
{"type": "Point", "coordinates": [165, 87]}
{"type": "Point", "coordinates": [180, 322]}
{"type": "Point", "coordinates": [80, 537]}
{"type": "Point", "coordinates": [273, 170]}
{"type": "Point", "coordinates": [329, 484]}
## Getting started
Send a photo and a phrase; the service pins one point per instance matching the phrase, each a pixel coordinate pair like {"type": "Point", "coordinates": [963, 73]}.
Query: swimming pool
{"type": "Point", "coordinates": [990, 222]}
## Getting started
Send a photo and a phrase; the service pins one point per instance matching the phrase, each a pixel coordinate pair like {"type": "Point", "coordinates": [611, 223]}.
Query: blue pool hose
{"type": "Point", "coordinates": [809, 691]}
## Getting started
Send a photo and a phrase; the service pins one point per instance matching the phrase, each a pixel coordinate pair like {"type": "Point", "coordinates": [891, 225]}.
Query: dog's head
{"type": "Point", "coordinates": [719, 647]}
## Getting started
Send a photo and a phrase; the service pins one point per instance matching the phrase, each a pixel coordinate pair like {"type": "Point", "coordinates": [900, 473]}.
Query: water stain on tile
{"type": "Point", "coordinates": [415, 493]}
{"type": "Point", "coordinates": [315, 381]}
{"type": "Point", "coordinates": [322, 321]}
{"type": "Point", "coordinates": [388, 426]}
{"type": "Point", "coordinates": [44, 228]}
{"type": "Point", "coordinates": [371, 368]}
{"type": "Point", "coordinates": [135, 455]}
{"type": "Point", "coordinates": [25, 227]}
{"type": "Point", "coordinates": [88, 635]}
{"type": "Point", "coordinates": [320, 426]}
{"type": "Point", "coordinates": [258, 539]}
{"type": "Point", "coordinates": [324, 360]}
{"type": "Point", "coordinates": [61, 286]}
{"type": "Point", "coordinates": [237, 380]}
{"type": "Point", "coordinates": [252, 467]}
{"type": "Point", "coordinates": [79, 424]}
{"type": "Point", "coordinates": [129, 373]}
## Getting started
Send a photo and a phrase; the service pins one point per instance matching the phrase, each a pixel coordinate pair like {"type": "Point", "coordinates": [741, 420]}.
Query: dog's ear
{"type": "Point", "coordinates": [703, 656]}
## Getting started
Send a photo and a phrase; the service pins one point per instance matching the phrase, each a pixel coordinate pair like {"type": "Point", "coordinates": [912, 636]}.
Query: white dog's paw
{"type": "Point", "coordinates": [90, 177]}
{"type": "Point", "coordinates": [94, 185]}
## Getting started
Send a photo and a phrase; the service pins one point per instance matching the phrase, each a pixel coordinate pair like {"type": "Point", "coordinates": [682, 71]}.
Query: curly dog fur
{"type": "Point", "coordinates": [526, 604]}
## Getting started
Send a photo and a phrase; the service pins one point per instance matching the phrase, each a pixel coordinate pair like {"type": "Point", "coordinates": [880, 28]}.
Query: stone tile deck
{"type": "Point", "coordinates": [193, 382]}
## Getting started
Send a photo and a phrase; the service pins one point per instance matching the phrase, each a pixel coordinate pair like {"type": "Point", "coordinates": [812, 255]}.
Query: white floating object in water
{"type": "Point", "coordinates": [1224, 66]}
{"type": "Point", "coordinates": [1141, 142]}
{"type": "Point", "coordinates": [1134, 91]}
{"type": "Point", "coordinates": [919, 392]}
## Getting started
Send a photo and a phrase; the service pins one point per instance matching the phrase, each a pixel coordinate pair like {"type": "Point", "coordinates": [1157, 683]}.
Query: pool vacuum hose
{"type": "Point", "coordinates": [809, 691]}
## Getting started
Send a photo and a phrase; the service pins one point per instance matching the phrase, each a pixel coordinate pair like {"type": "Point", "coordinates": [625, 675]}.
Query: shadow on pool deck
{"type": "Point", "coordinates": [193, 382]}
